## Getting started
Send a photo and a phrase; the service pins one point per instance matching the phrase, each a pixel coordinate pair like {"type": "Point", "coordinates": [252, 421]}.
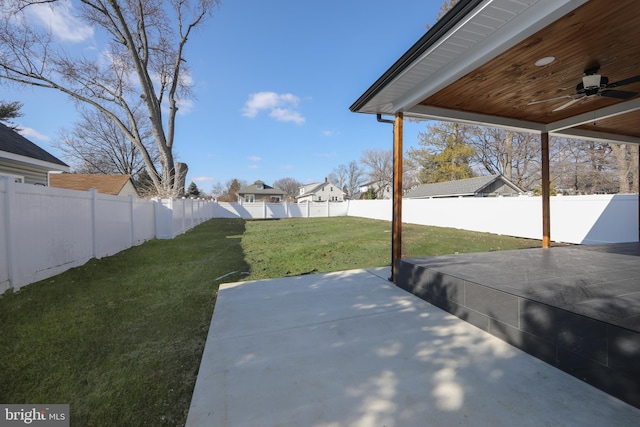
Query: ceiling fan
{"type": "Point", "coordinates": [593, 84]}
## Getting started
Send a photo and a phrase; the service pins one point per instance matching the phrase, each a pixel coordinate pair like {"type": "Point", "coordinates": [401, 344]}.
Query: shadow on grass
{"type": "Point", "coordinates": [120, 339]}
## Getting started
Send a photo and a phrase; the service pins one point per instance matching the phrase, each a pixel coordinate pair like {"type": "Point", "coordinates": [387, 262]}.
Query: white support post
{"type": "Point", "coordinates": [328, 209]}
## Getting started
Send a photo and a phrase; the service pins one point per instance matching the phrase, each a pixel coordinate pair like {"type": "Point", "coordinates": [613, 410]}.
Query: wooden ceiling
{"type": "Point", "coordinates": [600, 32]}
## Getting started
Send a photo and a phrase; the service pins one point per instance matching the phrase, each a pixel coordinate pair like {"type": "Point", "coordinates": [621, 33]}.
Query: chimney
{"type": "Point", "coordinates": [325, 180]}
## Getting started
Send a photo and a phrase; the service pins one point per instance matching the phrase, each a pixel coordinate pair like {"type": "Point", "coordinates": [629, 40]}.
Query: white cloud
{"type": "Point", "coordinates": [253, 166]}
{"type": "Point", "coordinates": [254, 158]}
{"type": "Point", "coordinates": [185, 106]}
{"type": "Point", "coordinates": [286, 115]}
{"type": "Point", "coordinates": [281, 106]}
{"type": "Point", "coordinates": [203, 179]}
{"type": "Point", "coordinates": [60, 18]}
{"type": "Point", "coordinates": [31, 133]}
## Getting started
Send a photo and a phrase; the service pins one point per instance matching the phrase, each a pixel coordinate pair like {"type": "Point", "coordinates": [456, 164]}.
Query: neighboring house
{"type": "Point", "coordinates": [24, 161]}
{"type": "Point", "coordinates": [482, 186]}
{"type": "Point", "coordinates": [382, 191]}
{"type": "Point", "coordinates": [260, 192]}
{"type": "Point", "coordinates": [115, 184]}
{"type": "Point", "coordinates": [320, 192]}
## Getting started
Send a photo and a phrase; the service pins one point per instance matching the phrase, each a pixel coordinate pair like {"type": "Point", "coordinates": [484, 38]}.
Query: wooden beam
{"type": "Point", "coordinates": [396, 222]}
{"type": "Point", "coordinates": [546, 191]}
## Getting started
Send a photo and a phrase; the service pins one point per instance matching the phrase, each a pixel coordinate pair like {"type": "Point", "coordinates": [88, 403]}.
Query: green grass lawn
{"type": "Point", "coordinates": [120, 338]}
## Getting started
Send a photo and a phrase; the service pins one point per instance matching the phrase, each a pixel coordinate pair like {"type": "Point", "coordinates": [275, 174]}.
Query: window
{"type": "Point", "coordinates": [249, 198]}
{"type": "Point", "coordinates": [16, 178]}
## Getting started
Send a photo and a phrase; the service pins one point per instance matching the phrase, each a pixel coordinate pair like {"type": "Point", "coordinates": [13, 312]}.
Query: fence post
{"type": "Point", "coordinates": [94, 232]}
{"type": "Point", "coordinates": [308, 203]}
{"type": "Point", "coordinates": [184, 216]}
{"type": "Point", "coordinates": [156, 215]}
{"type": "Point", "coordinates": [328, 209]}
{"type": "Point", "coordinates": [131, 220]}
{"type": "Point", "coordinates": [9, 200]}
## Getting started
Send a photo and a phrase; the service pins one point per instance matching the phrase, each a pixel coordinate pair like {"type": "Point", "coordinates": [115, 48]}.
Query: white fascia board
{"type": "Point", "coordinates": [594, 116]}
{"type": "Point", "coordinates": [527, 23]}
{"type": "Point", "coordinates": [588, 135]}
{"type": "Point", "coordinates": [35, 162]}
{"type": "Point", "coordinates": [423, 112]}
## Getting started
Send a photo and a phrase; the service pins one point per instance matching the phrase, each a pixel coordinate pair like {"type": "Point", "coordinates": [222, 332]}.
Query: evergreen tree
{"type": "Point", "coordinates": [193, 191]}
{"type": "Point", "coordinates": [444, 155]}
{"type": "Point", "coordinates": [10, 110]}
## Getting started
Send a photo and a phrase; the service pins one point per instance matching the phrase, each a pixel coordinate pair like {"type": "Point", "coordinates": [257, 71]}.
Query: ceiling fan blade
{"type": "Point", "coordinates": [624, 82]}
{"type": "Point", "coordinates": [619, 94]}
{"type": "Point", "coordinates": [570, 103]}
{"type": "Point", "coordinates": [550, 99]}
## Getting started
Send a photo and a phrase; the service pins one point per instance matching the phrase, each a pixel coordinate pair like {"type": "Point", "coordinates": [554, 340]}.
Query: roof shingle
{"type": "Point", "coordinates": [102, 183]}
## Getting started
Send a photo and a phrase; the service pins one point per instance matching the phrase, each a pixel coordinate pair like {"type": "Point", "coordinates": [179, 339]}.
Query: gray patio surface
{"type": "Point", "coordinates": [351, 349]}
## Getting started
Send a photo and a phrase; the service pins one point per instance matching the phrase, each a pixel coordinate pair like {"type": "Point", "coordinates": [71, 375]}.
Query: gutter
{"type": "Point", "coordinates": [448, 21]}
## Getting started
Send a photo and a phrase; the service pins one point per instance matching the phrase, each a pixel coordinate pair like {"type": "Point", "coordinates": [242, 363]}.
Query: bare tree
{"type": "Point", "coordinates": [291, 186]}
{"type": "Point", "coordinates": [349, 178]}
{"type": "Point", "coordinates": [97, 145]}
{"type": "Point", "coordinates": [516, 155]}
{"type": "Point", "coordinates": [231, 192]}
{"type": "Point", "coordinates": [142, 65]}
{"type": "Point", "coordinates": [627, 162]}
{"type": "Point", "coordinates": [379, 165]}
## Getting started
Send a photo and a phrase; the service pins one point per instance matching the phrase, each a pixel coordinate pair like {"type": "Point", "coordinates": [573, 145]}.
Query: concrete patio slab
{"type": "Point", "coordinates": [351, 349]}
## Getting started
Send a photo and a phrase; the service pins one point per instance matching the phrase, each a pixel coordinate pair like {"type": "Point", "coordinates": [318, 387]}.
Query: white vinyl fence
{"type": "Point", "coordinates": [45, 231]}
{"type": "Point", "coordinates": [279, 210]}
{"type": "Point", "coordinates": [574, 219]}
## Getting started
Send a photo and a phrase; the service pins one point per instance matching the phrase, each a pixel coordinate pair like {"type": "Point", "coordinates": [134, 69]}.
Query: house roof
{"type": "Point", "coordinates": [259, 187]}
{"type": "Point", "coordinates": [309, 189]}
{"type": "Point", "coordinates": [102, 183]}
{"type": "Point", "coordinates": [477, 65]}
{"type": "Point", "coordinates": [12, 142]}
{"type": "Point", "coordinates": [461, 187]}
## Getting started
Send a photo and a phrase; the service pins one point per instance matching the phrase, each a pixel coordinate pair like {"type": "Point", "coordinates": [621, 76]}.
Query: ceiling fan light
{"type": "Point", "coordinates": [545, 61]}
{"type": "Point", "coordinates": [591, 81]}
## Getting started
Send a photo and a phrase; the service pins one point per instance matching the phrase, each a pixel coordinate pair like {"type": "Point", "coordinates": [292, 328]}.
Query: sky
{"type": "Point", "coordinates": [273, 82]}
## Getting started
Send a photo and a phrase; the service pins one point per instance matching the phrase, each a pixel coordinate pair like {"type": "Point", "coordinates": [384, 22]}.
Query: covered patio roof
{"type": "Point", "coordinates": [563, 67]}
{"type": "Point", "coordinates": [478, 65]}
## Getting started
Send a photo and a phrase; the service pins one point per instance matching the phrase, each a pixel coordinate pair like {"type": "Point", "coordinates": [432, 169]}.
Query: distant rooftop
{"type": "Point", "coordinates": [102, 183]}
{"type": "Point", "coordinates": [463, 187]}
{"type": "Point", "coordinates": [12, 142]}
